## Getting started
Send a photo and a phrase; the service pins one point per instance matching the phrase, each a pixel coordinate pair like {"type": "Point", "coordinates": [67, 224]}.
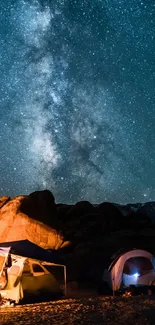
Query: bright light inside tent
{"type": "Point", "coordinates": [136, 275]}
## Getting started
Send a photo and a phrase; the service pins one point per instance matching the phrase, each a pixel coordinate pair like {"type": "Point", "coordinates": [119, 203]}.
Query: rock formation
{"type": "Point", "coordinates": [31, 217]}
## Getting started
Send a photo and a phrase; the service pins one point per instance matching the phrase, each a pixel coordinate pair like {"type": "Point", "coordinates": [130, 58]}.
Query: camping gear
{"type": "Point", "coordinates": [26, 277]}
{"type": "Point", "coordinates": [135, 267]}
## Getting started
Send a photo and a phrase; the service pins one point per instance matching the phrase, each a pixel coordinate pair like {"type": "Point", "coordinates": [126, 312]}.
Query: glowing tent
{"type": "Point", "coordinates": [23, 276]}
{"type": "Point", "coordinates": [135, 267]}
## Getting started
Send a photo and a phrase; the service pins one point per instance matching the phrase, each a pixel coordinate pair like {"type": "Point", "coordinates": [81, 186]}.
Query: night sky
{"type": "Point", "coordinates": [77, 99]}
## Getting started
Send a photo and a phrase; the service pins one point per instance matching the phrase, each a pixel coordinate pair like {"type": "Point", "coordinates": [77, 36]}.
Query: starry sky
{"type": "Point", "coordinates": [77, 99]}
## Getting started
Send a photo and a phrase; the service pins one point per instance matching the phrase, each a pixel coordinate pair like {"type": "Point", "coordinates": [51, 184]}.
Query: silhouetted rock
{"type": "Point", "coordinates": [147, 209]}
{"type": "Point", "coordinates": [138, 220]}
{"type": "Point", "coordinates": [79, 209]}
{"type": "Point", "coordinates": [111, 214]}
{"type": "Point", "coordinates": [62, 210]}
{"type": "Point", "coordinates": [40, 206]}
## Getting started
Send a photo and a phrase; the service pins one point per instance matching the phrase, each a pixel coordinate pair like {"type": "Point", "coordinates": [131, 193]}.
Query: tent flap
{"type": "Point", "coordinates": [4, 252]}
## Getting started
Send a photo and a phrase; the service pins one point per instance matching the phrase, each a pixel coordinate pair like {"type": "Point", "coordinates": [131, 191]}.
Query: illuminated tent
{"type": "Point", "coordinates": [135, 267]}
{"type": "Point", "coordinates": [24, 276]}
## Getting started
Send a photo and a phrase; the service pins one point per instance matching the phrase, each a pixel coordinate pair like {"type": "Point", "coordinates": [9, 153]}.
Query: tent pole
{"type": "Point", "coordinates": [113, 291]}
{"type": "Point", "coordinates": [65, 281]}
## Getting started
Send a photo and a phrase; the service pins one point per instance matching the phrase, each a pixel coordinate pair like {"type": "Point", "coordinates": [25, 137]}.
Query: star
{"type": "Point", "coordinates": [77, 99]}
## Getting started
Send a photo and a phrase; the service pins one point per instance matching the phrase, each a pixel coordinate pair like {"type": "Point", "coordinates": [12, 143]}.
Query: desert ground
{"type": "Point", "coordinates": [137, 310]}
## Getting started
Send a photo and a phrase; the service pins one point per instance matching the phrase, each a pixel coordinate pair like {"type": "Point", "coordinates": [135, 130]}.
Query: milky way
{"type": "Point", "coordinates": [77, 99]}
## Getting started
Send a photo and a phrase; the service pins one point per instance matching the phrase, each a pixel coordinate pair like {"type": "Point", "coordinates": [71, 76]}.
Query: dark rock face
{"type": "Point", "coordinates": [98, 231]}
{"type": "Point", "coordinates": [40, 205]}
{"type": "Point", "coordinates": [148, 209]}
{"type": "Point", "coordinates": [84, 234]}
{"type": "Point", "coordinates": [111, 214]}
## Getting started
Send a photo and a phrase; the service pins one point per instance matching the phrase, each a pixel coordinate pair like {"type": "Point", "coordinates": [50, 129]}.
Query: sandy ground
{"type": "Point", "coordinates": [83, 311]}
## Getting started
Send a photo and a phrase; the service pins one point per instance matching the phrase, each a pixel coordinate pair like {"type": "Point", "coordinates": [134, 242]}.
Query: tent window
{"type": "Point", "coordinates": [142, 265]}
{"type": "Point", "coordinates": [26, 269]}
{"type": "Point", "coordinates": [37, 268]}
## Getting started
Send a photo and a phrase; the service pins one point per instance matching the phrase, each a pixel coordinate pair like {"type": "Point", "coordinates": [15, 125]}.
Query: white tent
{"type": "Point", "coordinates": [23, 276]}
{"type": "Point", "coordinates": [135, 267]}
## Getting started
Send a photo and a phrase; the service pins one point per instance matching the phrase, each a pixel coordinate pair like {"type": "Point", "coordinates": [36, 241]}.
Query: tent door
{"type": "Point", "coordinates": [4, 254]}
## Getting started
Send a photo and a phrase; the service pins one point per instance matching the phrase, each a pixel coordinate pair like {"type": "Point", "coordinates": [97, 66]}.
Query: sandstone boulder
{"type": "Point", "coordinates": [3, 200]}
{"type": "Point", "coordinates": [31, 217]}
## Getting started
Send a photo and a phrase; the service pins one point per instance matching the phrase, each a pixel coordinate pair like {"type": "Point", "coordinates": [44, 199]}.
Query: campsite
{"type": "Point", "coordinates": [26, 276]}
{"type": "Point", "coordinates": [93, 258]}
{"type": "Point", "coordinates": [28, 273]}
